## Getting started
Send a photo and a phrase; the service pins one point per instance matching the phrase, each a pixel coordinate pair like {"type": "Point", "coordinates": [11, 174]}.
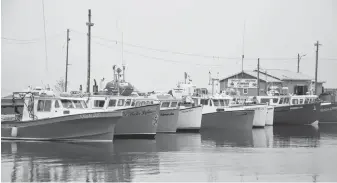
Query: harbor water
{"type": "Point", "coordinates": [279, 153]}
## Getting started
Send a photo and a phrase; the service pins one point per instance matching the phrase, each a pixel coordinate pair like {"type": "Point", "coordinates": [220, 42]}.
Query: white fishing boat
{"type": "Point", "coordinates": [169, 111]}
{"type": "Point", "coordinates": [39, 116]}
{"type": "Point", "coordinates": [190, 114]}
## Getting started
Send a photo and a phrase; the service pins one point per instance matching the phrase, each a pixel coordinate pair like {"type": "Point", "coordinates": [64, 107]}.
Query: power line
{"type": "Point", "coordinates": [158, 58]}
{"type": "Point", "coordinates": [28, 41]}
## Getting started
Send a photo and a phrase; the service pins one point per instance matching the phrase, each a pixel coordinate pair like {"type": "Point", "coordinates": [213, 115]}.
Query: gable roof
{"type": "Point", "coordinates": [262, 76]}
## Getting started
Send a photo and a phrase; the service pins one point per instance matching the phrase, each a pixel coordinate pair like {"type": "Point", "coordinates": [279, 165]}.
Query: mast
{"type": "Point", "coordinates": [66, 80]}
{"type": "Point", "coordinates": [258, 77]}
{"type": "Point", "coordinates": [89, 24]}
{"type": "Point", "coordinates": [316, 68]}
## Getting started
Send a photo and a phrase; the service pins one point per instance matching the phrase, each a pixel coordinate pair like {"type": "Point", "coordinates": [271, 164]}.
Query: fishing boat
{"type": "Point", "coordinates": [38, 116]}
{"type": "Point", "coordinates": [293, 110]}
{"type": "Point", "coordinates": [190, 113]}
{"type": "Point", "coordinates": [216, 113]}
{"type": "Point", "coordinates": [328, 108]}
{"type": "Point", "coordinates": [169, 111]}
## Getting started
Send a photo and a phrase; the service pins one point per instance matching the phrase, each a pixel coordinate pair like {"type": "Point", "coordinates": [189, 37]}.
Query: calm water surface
{"type": "Point", "coordinates": [290, 153]}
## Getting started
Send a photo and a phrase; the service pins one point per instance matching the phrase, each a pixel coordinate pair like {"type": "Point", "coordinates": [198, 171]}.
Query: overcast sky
{"type": "Point", "coordinates": [274, 29]}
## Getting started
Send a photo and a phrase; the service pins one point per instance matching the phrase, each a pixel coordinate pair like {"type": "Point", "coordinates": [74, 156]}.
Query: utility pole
{"type": "Point", "coordinates": [298, 61]}
{"type": "Point", "coordinates": [317, 45]}
{"type": "Point", "coordinates": [89, 24]}
{"type": "Point", "coordinates": [258, 77]}
{"type": "Point", "coordinates": [66, 82]}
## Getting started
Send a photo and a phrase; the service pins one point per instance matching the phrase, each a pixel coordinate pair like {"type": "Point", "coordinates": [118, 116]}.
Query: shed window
{"type": "Point", "coordinates": [44, 105]}
{"type": "Point", "coordinates": [99, 103]}
{"type": "Point", "coordinates": [245, 91]}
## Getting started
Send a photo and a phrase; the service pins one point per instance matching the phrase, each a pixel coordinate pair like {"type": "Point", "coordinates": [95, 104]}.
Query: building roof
{"type": "Point", "coordinates": [288, 75]}
{"type": "Point", "coordinates": [262, 76]}
{"type": "Point", "coordinates": [276, 75]}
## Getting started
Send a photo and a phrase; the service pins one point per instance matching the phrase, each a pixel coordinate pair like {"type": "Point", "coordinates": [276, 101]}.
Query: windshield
{"type": "Point", "coordinates": [216, 102]}
{"type": "Point", "coordinates": [67, 103]}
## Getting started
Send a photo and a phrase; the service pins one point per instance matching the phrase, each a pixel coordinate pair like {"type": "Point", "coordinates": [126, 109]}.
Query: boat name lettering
{"type": "Point", "coordinates": [8, 117]}
{"type": "Point", "coordinates": [167, 114]}
{"type": "Point", "coordinates": [329, 109]}
{"type": "Point", "coordinates": [138, 113]}
{"type": "Point", "coordinates": [292, 108]}
{"type": "Point", "coordinates": [91, 115]}
{"type": "Point", "coordinates": [186, 111]}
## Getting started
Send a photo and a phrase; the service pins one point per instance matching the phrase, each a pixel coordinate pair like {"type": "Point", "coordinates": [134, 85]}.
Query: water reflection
{"type": "Point", "coordinates": [36, 161]}
{"type": "Point", "coordinates": [296, 136]}
{"type": "Point", "coordinates": [178, 142]}
{"type": "Point", "coordinates": [220, 138]}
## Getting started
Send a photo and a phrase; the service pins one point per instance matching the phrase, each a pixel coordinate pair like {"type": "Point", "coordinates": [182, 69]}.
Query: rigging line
{"type": "Point", "coordinates": [157, 58]}
{"type": "Point", "coordinates": [45, 39]}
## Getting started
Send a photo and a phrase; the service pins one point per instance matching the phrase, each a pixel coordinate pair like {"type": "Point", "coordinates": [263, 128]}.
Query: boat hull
{"type": "Point", "coordinates": [228, 120]}
{"type": "Point", "coordinates": [296, 114]}
{"type": "Point", "coordinates": [260, 115]}
{"type": "Point", "coordinates": [84, 127]}
{"type": "Point", "coordinates": [270, 116]}
{"type": "Point", "coordinates": [168, 121]}
{"type": "Point", "coordinates": [328, 113]}
{"type": "Point", "coordinates": [190, 119]}
{"type": "Point", "coordinates": [138, 122]}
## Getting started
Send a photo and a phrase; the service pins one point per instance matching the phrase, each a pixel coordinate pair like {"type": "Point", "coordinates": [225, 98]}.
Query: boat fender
{"type": "Point", "coordinates": [14, 132]}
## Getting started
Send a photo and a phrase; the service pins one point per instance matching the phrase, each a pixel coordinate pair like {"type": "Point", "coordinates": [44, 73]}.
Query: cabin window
{"type": "Point", "coordinates": [245, 91]}
{"type": "Point", "coordinates": [222, 103]}
{"type": "Point", "coordinates": [151, 102]}
{"type": "Point", "coordinates": [133, 103]}
{"type": "Point", "coordinates": [78, 104]}
{"type": "Point", "coordinates": [137, 104]}
{"type": "Point", "coordinates": [264, 100]}
{"type": "Point", "coordinates": [306, 101]}
{"type": "Point", "coordinates": [204, 102]}
{"type": "Point", "coordinates": [84, 104]}
{"type": "Point", "coordinates": [216, 102]}
{"type": "Point", "coordinates": [301, 101]}
{"type": "Point", "coordinates": [286, 100]}
{"type": "Point", "coordinates": [67, 104]}
{"type": "Point", "coordinates": [11, 109]}
{"type": "Point", "coordinates": [128, 102]}
{"type": "Point", "coordinates": [281, 101]}
{"type": "Point", "coordinates": [99, 103]}
{"type": "Point", "coordinates": [112, 103]}
{"type": "Point", "coordinates": [295, 101]}
{"type": "Point", "coordinates": [120, 102]}
{"type": "Point", "coordinates": [56, 105]}
{"type": "Point", "coordinates": [44, 105]}
{"type": "Point", "coordinates": [165, 104]}
{"type": "Point", "coordinates": [275, 100]}
{"type": "Point", "coordinates": [195, 101]}
{"type": "Point", "coordinates": [174, 104]}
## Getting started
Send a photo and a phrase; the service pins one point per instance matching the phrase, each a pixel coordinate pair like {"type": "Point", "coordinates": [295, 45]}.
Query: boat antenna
{"type": "Point", "coordinates": [243, 46]}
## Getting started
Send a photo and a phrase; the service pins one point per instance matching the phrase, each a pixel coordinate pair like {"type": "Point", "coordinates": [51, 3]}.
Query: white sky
{"type": "Point", "coordinates": [274, 29]}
